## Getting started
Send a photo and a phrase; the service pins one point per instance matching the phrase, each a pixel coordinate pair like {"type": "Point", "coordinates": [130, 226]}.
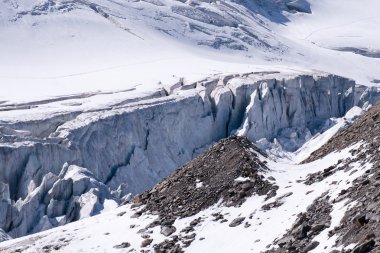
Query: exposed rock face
{"type": "Point", "coordinates": [129, 147]}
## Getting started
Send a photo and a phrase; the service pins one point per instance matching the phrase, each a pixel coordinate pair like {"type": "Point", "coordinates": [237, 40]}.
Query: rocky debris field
{"type": "Point", "coordinates": [360, 225]}
{"type": "Point", "coordinates": [308, 224]}
{"type": "Point", "coordinates": [229, 171]}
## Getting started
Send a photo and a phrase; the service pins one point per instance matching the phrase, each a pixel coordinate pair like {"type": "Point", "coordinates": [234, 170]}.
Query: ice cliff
{"type": "Point", "coordinates": [70, 165]}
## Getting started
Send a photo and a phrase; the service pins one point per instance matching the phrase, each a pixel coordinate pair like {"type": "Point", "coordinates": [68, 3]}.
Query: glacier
{"type": "Point", "coordinates": [61, 167]}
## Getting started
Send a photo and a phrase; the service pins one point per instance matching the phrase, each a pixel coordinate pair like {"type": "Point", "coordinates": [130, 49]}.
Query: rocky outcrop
{"type": "Point", "coordinates": [300, 237]}
{"type": "Point", "coordinates": [228, 173]}
{"type": "Point", "coordinates": [129, 147]}
{"type": "Point", "coordinates": [360, 224]}
{"type": "Point", "coordinates": [230, 170]}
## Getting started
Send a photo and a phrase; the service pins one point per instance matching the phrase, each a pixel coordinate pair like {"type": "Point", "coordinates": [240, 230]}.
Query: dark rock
{"type": "Point", "coordinates": [271, 205]}
{"type": "Point", "coordinates": [187, 229]}
{"type": "Point", "coordinates": [365, 247]}
{"type": "Point", "coordinates": [145, 236]}
{"type": "Point", "coordinates": [361, 220]}
{"type": "Point", "coordinates": [217, 169]}
{"type": "Point", "coordinates": [136, 215]}
{"type": "Point", "coordinates": [308, 224]}
{"type": "Point", "coordinates": [236, 222]}
{"type": "Point", "coordinates": [189, 237]}
{"type": "Point", "coordinates": [122, 245]}
{"type": "Point", "coordinates": [365, 182]}
{"type": "Point", "coordinates": [143, 230]}
{"type": "Point", "coordinates": [301, 231]}
{"type": "Point", "coordinates": [317, 228]}
{"type": "Point", "coordinates": [246, 186]}
{"type": "Point", "coordinates": [284, 241]}
{"type": "Point", "coordinates": [168, 222]}
{"type": "Point", "coordinates": [146, 242]}
{"type": "Point", "coordinates": [167, 230]}
{"type": "Point", "coordinates": [311, 246]}
{"type": "Point", "coordinates": [195, 222]}
{"type": "Point", "coordinates": [121, 213]}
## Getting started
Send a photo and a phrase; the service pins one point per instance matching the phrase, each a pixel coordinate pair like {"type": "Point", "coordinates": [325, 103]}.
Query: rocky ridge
{"type": "Point", "coordinates": [230, 171]}
{"type": "Point", "coordinates": [226, 174]}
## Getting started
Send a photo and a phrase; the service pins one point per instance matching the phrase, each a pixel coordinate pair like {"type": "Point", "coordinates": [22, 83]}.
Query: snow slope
{"type": "Point", "coordinates": [54, 48]}
{"type": "Point", "coordinates": [333, 33]}
{"type": "Point", "coordinates": [340, 23]}
{"type": "Point", "coordinates": [63, 47]}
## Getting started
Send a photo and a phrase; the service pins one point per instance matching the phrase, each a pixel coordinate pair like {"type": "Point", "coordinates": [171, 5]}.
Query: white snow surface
{"type": "Point", "coordinates": [55, 48]}
{"type": "Point", "coordinates": [338, 24]}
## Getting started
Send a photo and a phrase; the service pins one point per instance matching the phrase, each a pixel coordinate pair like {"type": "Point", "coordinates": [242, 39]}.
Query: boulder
{"type": "Point", "coordinates": [236, 222]}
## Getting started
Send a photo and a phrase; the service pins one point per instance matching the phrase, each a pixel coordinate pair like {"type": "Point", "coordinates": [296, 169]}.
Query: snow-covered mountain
{"type": "Point", "coordinates": [78, 46]}
{"type": "Point", "coordinates": [101, 100]}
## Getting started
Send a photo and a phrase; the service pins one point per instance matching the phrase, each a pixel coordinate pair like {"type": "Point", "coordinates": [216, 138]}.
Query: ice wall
{"type": "Point", "coordinates": [65, 167]}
